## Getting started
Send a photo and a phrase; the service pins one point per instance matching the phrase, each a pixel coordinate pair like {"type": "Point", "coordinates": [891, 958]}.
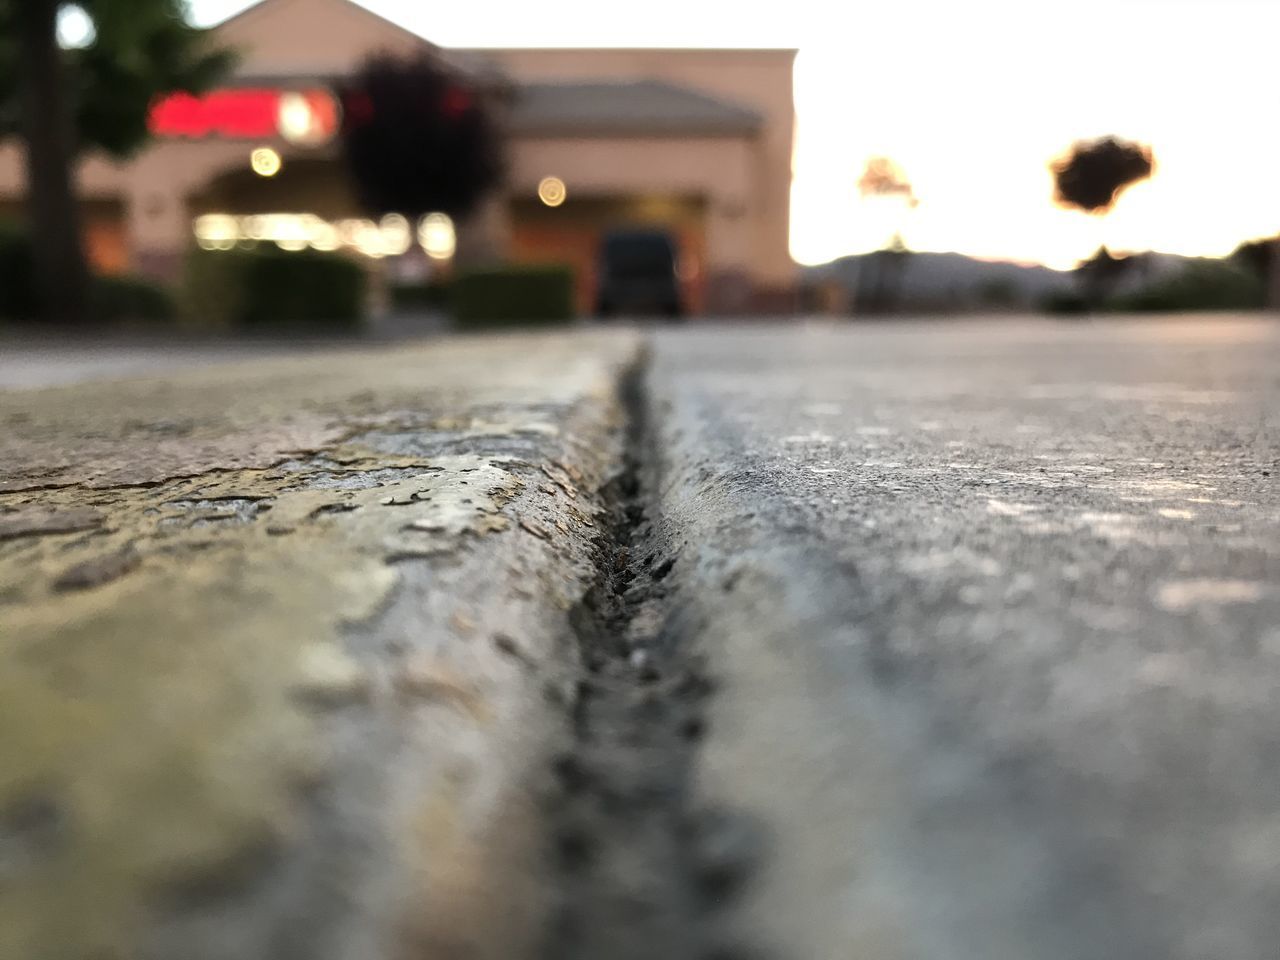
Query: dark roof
{"type": "Point", "coordinates": [642, 106]}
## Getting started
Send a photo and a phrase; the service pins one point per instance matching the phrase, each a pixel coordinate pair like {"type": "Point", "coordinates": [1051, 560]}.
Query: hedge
{"type": "Point", "coordinates": [112, 299]}
{"type": "Point", "coordinates": [266, 288]}
{"type": "Point", "coordinates": [513, 295]}
{"type": "Point", "coordinates": [17, 295]}
{"type": "Point", "coordinates": [131, 300]}
{"type": "Point", "coordinates": [433, 295]}
{"type": "Point", "coordinates": [1200, 285]}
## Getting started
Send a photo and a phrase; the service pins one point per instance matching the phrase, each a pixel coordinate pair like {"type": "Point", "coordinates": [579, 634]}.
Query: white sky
{"type": "Point", "coordinates": [972, 99]}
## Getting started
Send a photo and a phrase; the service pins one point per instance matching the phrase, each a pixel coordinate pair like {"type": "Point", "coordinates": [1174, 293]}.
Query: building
{"type": "Point", "coordinates": [699, 141]}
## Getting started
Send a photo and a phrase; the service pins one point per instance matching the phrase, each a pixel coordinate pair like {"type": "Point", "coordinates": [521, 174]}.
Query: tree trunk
{"type": "Point", "coordinates": [1272, 274]}
{"type": "Point", "coordinates": [61, 277]}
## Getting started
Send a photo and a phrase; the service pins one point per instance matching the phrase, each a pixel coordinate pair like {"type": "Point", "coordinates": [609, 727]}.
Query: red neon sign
{"type": "Point", "coordinates": [226, 113]}
{"type": "Point", "coordinates": [306, 116]}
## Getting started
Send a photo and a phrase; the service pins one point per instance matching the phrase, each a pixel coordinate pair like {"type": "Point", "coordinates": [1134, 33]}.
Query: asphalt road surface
{"type": "Point", "coordinates": [997, 608]}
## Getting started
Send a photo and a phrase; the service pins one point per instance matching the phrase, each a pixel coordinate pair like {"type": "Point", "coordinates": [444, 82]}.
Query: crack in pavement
{"type": "Point", "coordinates": [642, 870]}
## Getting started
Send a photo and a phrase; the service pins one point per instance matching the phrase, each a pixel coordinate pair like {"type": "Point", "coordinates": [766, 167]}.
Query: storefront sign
{"type": "Point", "coordinates": [304, 117]}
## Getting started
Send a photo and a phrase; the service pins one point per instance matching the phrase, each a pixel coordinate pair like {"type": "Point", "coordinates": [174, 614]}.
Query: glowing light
{"type": "Point", "coordinates": [390, 237]}
{"type": "Point", "coordinates": [254, 228]}
{"type": "Point", "coordinates": [396, 237]}
{"type": "Point", "coordinates": [309, 118]}
{"type": "Point", "coordinates": [293, 117]}
{"type": "Point", "coordinates": [366, 237]}
{"type": "Point", "coordinates": [265, 162]}
{"type": "Point", "coordinates": [305, 117]}
{"type": "Point", "coordinates": [551, 191]}
{"type": "Point", "coordinates": [291, 233]}
{"type": "Point", "coordinates": [216, 231]}
{"type": "Point", "coordinates": [321, 235]}
{"type": "Point", "coordinates": [227, 113]}
{"type": "Point", "coordinates": [76, 29]}
{"type": "Point", "coordinates": [437, 237]}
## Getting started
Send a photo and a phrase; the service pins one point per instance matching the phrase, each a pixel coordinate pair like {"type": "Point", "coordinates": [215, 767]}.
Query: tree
{"type": "Point", "coordinates": [1090, 177]}
{"type": "Point", "coordinates": [1099, 275]}
{"type": "Point", "coordinates": [1258, 257]}
{"type": "Point", "coordinates": [882, 177]}
{"type": "Point", "coordinates": [1093, 173]}
{"type": "Point", "coordinates": [419, 138]}
{"type": "Point", "coordinates": [63, 102]}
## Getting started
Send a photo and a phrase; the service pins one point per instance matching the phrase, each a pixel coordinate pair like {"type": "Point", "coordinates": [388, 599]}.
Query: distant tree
{"type": "Point", "coordinates": [1199, 284]}
{"type": "Point", "coordinates": [419, 138]}
{"type": "Point", "coordinates": [1100, 275]}
{"type": "Point", "coordinates": [62, 102]}
{"type": "Point", "coordinates": [883, 177]}
{"type": "Point", "coordinates": [881, 291]}
{"type": "Point", "coordinates": [1090, 177]}
{"type": "Point", "coordinates": [1093, 173]}
{"type": "Point", "coordinates": [998, 292]}
{"type": "Point", "coordinates": [1257, 256]}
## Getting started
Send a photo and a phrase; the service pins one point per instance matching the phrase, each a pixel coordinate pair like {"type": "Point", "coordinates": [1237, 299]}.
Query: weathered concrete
{"type": "Point", "coordinates": [915, 642]}
{"type": "Point", "coordinates": [992, 614]}
{"type": "Point", "coordinates": [278, 641]}
{"type": "Point", "coordinates": [28, 363]}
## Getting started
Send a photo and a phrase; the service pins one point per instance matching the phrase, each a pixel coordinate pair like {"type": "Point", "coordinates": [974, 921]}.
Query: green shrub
{"type": "Point", "coordinates": [131, 300]}
{"type": "Point", "coordinates": [1064, 303]}
{"type": "Point", "coordinates": [513, 295]}
{"type": "Point", "coordinates": [17, 294]}
{"type": "Point", "coordinates": [998, 292]}
{"type": "Point", "coordinates": [112, 300]}
{"type": "Point", "coordinates": [433, 295]}
{"type": "Point", "coordinates": [266, 288]}
{"type": "Point", "coordinates": [1207, 285]}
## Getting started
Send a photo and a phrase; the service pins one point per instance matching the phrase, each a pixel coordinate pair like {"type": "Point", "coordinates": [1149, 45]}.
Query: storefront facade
{"type": "Point", "coordinates": [695, 141]}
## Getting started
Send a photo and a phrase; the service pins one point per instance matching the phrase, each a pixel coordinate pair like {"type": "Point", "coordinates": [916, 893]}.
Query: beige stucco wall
{"type": "Point", "coordinates": [154, 187]}
{"type": "Point", "coordinates": [298, 37]}
{"type": "Point", "coordinates": [96, 176]}
{"type": "Point", "coordinates": [723, 170]}
{"type": "Point", "coordinates": [759, 79]}
{"type": "Point", "coordinates": [161, 180]}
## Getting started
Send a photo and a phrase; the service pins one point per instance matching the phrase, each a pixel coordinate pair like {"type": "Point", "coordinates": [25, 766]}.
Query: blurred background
{"type": "Point", "coordinates": [222, 164]}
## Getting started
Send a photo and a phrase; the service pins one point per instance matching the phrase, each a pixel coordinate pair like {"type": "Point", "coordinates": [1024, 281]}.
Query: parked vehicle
{"type": "Point", "coordinates": [637, 274]}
